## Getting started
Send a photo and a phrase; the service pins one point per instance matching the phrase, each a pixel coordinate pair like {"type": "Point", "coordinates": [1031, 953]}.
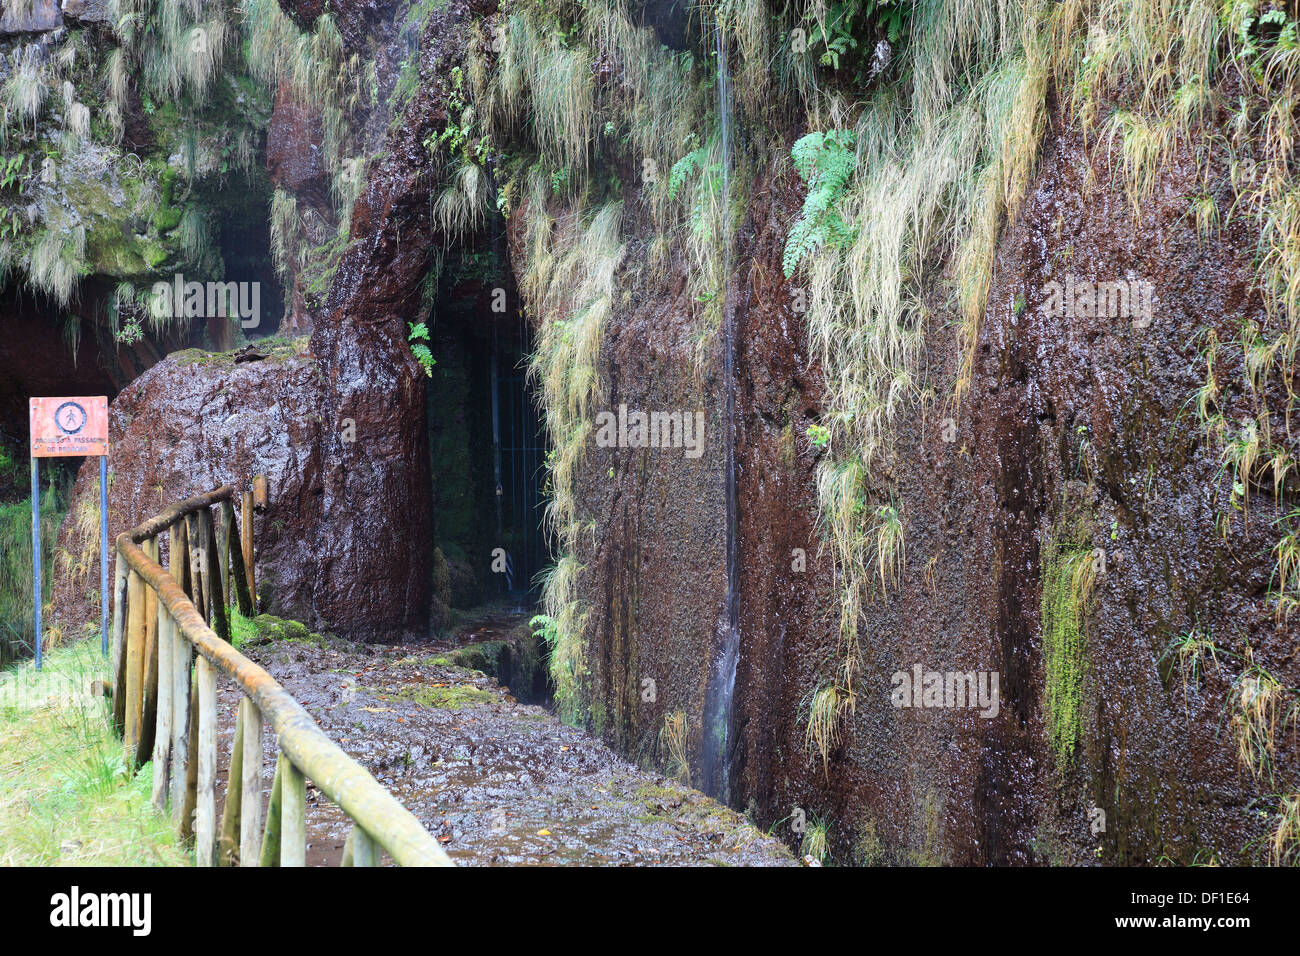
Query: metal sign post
{"type": "Point", "coordinates": [65, 428]}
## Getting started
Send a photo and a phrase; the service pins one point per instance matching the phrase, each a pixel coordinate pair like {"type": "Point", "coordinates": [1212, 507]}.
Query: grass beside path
{"type": "Point", "coordinates": [66, 797]}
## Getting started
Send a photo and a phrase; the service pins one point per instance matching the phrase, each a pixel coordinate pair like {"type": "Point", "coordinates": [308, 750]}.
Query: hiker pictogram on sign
{"type": "Point", "coordinates": [63, 427]}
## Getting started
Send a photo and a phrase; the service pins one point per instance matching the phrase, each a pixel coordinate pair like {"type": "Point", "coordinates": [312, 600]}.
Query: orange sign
{"type": "Point", "coordinates": [64, 427]}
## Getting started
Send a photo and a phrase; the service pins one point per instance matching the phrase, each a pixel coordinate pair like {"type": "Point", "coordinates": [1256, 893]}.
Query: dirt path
{"type": "Point", "coordinates": [497, 781]}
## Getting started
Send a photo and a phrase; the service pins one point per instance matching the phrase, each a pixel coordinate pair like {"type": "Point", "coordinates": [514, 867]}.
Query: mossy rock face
{"type": "Point", "coordinates": [489, 657]}
{"type": "Point", "coordinates": [517, 662]}
{"type": "Point", "coordinates": [277, 350]}
{"type": "Point", "coordinates": [269, 629]}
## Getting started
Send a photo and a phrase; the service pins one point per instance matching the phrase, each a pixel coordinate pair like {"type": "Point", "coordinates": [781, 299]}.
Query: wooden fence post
{"type": "Point", "coordinates": [364, 851]}
{"type": "Point", "coordinates": [162, 744]}
{"type": "Point", "coordinates": [239, 577]}
{"type": "Point", "coordinates": [205, 811]}
{"type": "Point", "coordinates": [228, 843]}
{"type": "Point", "coordinates": [191, 799]}
{"type": "Point", "coordinates": [149, 702]}
{"type": "Point", "coordinates": [182, 659]}
{"type": "Point", "coordinates": [214, 597]}
{"type": "Point", "coordinates": [293, 810]}
{"type": "Point", "coordinates": [250, 822]}
{"type": "Point", "coordinates": [197, 563]}
{"type": "Point", "coordinates": [135, 636]}
{"type": "Point", "coordinates": [270, 855]}
{"type": "Point", "coordinates": [121, 640]}
{"type": "Point", "coordinates": [246, 535]}
{"type": "Point", "coordinates": [225, 531]}
{"type": "Point", "coordinates": [119, 619]}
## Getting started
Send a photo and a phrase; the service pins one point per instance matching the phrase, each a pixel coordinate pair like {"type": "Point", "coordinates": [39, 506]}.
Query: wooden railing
{"type": "Point", "coordinates": [165, 702]}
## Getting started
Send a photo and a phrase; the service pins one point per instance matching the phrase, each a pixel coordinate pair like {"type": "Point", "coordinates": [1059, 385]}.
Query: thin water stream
{"type": "Point", "coordinates": [722, 681]}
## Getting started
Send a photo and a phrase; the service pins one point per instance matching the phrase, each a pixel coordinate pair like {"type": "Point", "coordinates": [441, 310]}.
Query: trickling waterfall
{"type": "Point", "coordinates": [720, 694]}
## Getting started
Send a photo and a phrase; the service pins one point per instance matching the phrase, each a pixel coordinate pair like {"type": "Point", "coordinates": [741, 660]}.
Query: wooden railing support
{"type": "Point", "coordinates": [250, 821]}
{"type": "Point", "coordinates": [246, 536]}
{"type": "Point", "coordinates": [167, 661]}
{"type": "Point", "coordinates": [293, 815]}
{"type": "Point", "coordinates": [205, 811]}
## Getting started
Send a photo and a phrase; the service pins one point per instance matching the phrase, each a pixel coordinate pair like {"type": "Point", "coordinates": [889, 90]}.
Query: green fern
{"type": "Point", "coordinates": [826, 162]}
{"type": "Point", "coordinates": [418, 331]}
{"type": "Point", "coordinates": [684, 168]}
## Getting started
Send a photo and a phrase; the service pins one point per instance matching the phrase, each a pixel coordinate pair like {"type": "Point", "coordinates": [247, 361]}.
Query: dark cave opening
{"type": "Point", "coordinates": [243, 239]}
{"type": "Point", "coordinates": [486, 435]}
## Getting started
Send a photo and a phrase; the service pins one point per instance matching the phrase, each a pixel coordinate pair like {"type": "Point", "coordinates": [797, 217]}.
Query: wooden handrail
{"type": "Point", "coordinates": [151, 670]}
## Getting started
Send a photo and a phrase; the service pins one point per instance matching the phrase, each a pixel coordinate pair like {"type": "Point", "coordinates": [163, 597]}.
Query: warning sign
{"type": "Point", "coordinates": [63, 427]}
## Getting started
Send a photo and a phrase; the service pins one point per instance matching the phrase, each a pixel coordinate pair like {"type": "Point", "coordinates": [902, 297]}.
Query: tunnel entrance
{"type": "Point", "coordinates": [487, 440]}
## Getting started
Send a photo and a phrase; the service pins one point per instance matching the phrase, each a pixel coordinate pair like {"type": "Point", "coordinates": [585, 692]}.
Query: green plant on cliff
{"type": "Point", "coordinates": [1284, 848]}
{"type": "Point", "coordinates": [462, 207]}
{"type": "Point", "coordinates": [562, 629]}
{"type": "Point", "coordinates": [1259, 707]}
{"type": "Point", "coordinates": [536, 97]}
{"type": "Point", "coordinates": [834, 28]}
{"type": "Point", "coordinates": [315, 69]}
{"type": "Point", "coordinates": [705, 234]}
{"type": "Point", "coordinates": [569, 285]}
{"type": "Point", "coordinates": [1190, 651]}
{"type": "Point", "coordinates": [890, 556]}
{"type": "Point", "coordinates": [57, 261]}
{"type": "Point", "coordinates": [827, 707]}
{"type": "Point", "coordinates": [1240, 456]}
{"type": "Point", "coordinates": [418, 337]}
{"type": "Point", "coordinates": [546, 82]}
{"type": "Point", "coordinates": [672, 743]}
{"type": "Point", "coordinates": [816, 842]}
{"type": "Point", "coordinates": [313, 64]}
{"type": "Point", "coordinates": [179, 47]}
{"type": "Point", "coordinates": [27, 86]}
{"type": "Point", "coordinates": [825, 161]}
{"type": "Point", "coordinates": [1069, 574]}
{"type": "Point", "coordinates": [1285, 584]}
{"type": "Point", "coordinates": [925, 171]}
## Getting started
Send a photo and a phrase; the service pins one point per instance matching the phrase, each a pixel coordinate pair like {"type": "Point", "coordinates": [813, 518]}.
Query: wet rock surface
{"type": "Point", "coordinates": [496, 781]}
{"type": "Point", "coordinates": [347, 541]}
{"type": "Point", "coordinates": [36, 16]}
{"type": "Point", "coordinates": [1067, 417]}
{"type": "Point", "coordinates": [194, 422]}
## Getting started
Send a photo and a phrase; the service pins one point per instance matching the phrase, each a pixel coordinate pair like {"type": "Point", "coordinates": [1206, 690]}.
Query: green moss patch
{"type": "Point", "coordinates": [1068, 576]}
{"type": "Point", "coordinates": [269, 629]}
{"type": "Point", "coordinates": [453, 697]}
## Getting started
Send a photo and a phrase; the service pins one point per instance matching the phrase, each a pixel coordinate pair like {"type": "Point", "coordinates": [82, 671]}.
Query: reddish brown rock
{"type": "Point", "coordinates": [36, 16]}
{"type": "Point", "coordinates": [294, 154]}
{"type": "Point", "coordinates": [922, 785]}
{"type": "Point", "coordinates": [197, 421]}
{"type": "Point", "coordinates": [341, 431]}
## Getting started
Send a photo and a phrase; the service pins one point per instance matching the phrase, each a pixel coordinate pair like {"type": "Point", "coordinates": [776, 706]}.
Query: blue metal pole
{"type": "Point", "coordinates": [36, 552]}
{"type": "Point", "coordinates": [103, 554]}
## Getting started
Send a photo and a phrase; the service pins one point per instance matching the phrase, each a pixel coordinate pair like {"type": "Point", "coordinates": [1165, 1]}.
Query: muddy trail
{"type": "Point", "coordinates": [497, 781]}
